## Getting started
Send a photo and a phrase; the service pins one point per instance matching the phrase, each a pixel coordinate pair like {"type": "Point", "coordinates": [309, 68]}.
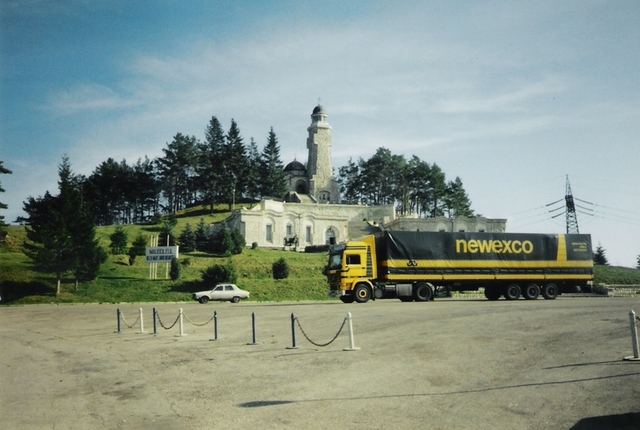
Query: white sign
{"type": "Point", "coordinates": [160, 254]}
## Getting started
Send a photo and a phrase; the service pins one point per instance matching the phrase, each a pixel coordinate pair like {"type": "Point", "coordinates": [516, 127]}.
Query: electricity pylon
{"type": "Point", "coordinates": [572, 218]}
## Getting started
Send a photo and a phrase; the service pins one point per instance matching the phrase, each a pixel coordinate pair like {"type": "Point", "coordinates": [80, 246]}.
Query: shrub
{"type": "Point", "coordinates": [280, 269]}
{"type": "Point", "coordinates": [174, 271]}
{"type": "Point", "coordinates": [218, 273]}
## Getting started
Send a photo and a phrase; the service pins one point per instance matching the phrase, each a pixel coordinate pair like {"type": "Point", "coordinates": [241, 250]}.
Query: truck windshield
{"type": "Point", "coordinates": [335, 257]}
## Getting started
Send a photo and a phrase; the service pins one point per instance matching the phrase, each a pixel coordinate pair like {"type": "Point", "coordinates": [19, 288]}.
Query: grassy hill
{"type": "Point", "coordinates": [119, 282]}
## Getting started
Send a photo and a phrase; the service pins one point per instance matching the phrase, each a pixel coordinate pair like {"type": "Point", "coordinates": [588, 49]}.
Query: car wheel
{"type": "Point", "coordinates": [236, 299]}
{"type": "Point", "coordinates": [204, 299]}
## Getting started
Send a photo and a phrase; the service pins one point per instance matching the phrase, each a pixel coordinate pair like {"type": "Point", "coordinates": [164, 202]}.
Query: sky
{"type": "Point", "coordinates": [513, 97]}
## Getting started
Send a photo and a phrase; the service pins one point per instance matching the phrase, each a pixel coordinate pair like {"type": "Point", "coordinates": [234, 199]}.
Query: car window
{"type": "Point", "coordinates": [228, 288]}
{"type": "Point", "coordinates": [218, 288]}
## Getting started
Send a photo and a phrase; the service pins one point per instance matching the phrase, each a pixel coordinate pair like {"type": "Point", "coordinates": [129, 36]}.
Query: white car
{"type": "Point", "coordinates": [222, 292]}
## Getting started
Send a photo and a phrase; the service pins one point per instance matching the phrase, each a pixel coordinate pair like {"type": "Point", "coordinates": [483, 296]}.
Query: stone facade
{"type": "Point", "coordinates": [271, 222]}
{"type": "Point", "coordinates": [460, 224]}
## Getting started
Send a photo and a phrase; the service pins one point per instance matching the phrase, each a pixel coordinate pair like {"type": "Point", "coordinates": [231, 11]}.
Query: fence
{"type": "Point", "coordinates": [181, 317]}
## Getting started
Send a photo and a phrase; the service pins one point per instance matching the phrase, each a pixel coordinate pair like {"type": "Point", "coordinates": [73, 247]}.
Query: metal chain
{"type": "Point", "coordinates": [125, 321]}
{"type": "Point", "coordinates": [163, 326]}
{"type": "Point", "coordinates": [322, 344]}
{"type": "Point", "coordinates": [196, 324]}
{"type": "Point", "coordinates": [638, 318]}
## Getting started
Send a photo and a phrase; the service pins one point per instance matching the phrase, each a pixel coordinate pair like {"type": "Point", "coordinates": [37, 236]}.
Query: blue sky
{"type": "Point", "coordinates": [511, 96]}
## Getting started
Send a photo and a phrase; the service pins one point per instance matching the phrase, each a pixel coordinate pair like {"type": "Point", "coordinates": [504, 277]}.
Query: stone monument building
{"type": "Point", "coordinates": [310, 213]}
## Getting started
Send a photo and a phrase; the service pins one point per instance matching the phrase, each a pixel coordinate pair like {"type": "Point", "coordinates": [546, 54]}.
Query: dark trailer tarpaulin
{"type": "Point", "coordinates": [417, 245]}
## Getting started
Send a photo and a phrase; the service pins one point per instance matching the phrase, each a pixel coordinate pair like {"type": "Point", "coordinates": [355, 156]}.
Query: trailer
{"type": "Point", "coordinates": [420, 265]}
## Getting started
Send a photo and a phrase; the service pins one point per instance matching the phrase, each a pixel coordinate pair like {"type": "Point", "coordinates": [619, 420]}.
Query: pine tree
{"type": "Point", "coordinates": [118, 240]}
{"type": "Point", "coordinates": [456, 200]}
{"type": "Point", "coordinates": [210, 163]}
{"type": "Point", "coordinates": [599, 257]}
{"type": "Point", "coordinates": [61, 231]}
{"type": "Point", "coordinates": [234, 165]}
{"type": "Point", "coordinates": [138, 248]}
{"type": "Point", "coordinates": [203, 238]}
{"type": "Point", "coordinates": [272, 176]}
{"type": "Point", "coordinates": [187, 239]}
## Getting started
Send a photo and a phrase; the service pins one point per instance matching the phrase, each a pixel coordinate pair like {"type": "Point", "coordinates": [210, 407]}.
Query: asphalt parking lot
{"type": "Point", "coordinates": [447, 364]}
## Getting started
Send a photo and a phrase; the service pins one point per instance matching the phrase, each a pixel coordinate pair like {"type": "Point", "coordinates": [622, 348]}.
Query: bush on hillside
{"type": "Point", "coordinates": [280, 269]}
{"type": "Point", "coordinates": [218, 273]}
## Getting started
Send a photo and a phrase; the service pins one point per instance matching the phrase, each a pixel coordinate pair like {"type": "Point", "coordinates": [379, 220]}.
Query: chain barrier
{"type": "Point", "coordinates": [321, 345]}
{"type": "Point", "coordinates": [198, 324]}
{"type": "Point", "coordinates": [163, 326]}
{"type": "Point", "coordinates": [125, 321]}
{"type": "Point", "coordinates": [638, 318]}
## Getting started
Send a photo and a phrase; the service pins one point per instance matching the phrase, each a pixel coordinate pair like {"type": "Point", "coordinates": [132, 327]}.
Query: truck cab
{"type": "Point", "coordinates": [352, 270]}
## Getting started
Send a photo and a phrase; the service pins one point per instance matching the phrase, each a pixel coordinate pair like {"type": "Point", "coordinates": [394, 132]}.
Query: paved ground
{"type": "Point", "coordinates": [448, 364]}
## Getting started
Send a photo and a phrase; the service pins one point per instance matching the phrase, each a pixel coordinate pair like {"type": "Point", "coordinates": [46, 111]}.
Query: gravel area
{"type": "Point", "coordinates": [447, 364]}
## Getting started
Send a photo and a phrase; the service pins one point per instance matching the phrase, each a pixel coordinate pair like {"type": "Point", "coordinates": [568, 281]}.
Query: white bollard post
{"type": "Point", "coordinates": [634, 337]}
{"type": "Point", "coordinates": [181, 324]}
{"type": "Point", "coordinates": [352, 344]}
{"type": "Point", "coordinates": [141, 321]}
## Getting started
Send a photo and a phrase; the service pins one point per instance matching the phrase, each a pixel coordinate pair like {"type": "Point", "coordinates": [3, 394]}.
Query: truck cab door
{"type": "Point", "coordinates": [355, 266]}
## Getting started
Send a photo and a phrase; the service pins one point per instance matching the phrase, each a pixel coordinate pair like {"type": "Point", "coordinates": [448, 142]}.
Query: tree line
{"type": "Point", "coordinates": [413, 186]}
{"type": "Point", "coordinates": [220, 169]}
{"type": "Point", "coordinates": [223, 169]}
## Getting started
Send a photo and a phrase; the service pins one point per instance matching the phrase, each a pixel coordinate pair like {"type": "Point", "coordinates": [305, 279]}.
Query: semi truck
{"type": "Point", "coordinates": [415, 265]}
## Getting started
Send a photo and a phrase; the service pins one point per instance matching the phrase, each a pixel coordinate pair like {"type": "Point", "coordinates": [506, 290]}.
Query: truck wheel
{"type": "Point", "coordinates": [531, 292]}
{"type": "Point", "coordinates": [550, 291]}
{"type": "Point", "coordinates": [422, 293]}
{"type": "Point", "coordinates": [512, 292]}
{"type": "Point", "coordinates": [362, 293]}
{"type": "Point", "coordinates": [348, 298]}
{"type": "Point", "coordinates": [204, 299]}
{"type": "Point", "coordinates": [492, 293]}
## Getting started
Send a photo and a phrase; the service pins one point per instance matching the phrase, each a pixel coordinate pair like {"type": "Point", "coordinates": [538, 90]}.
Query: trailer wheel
{"type": "Point", "coordinates": [492, 293]}
{"type": "Point", "coordinates": [422, 292]}
{"type": "Point", "coordinates": [512, 292]}
{"type": "Point", "coordinates": [531, 292]}
{"type": "Point", "coordinates": [550, 291]}
{"type": "Point", "coordinates": [362, 293]}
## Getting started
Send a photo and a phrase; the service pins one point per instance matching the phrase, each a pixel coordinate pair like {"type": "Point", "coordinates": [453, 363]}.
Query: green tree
{"type": "Point", "coordinates": [138, 248]}
{"type": "Point", "coordinates": [238, 242]}
{"type": "Point", "coordinates": [272, 177]}
{"type": "Point", "coordinates": [218, 273]}
{"type": "Point", "coordinates": [457, 201]}
{"type": "Point", "coordinates": [187, 239]}
{"type": "Point", "coordinates": [119, 240]}
{"type": "Point", "coordinates": [3, 225]}
{"type": "Point", "coordinates": [177, 172]}
{"type": "Point", "coordinates": [638, 262]}
{"type": "Point", "coordinates": [210, 163]}
{"type": "Point", "coordinates": [174, 270]}
{"type": "Point", "coordinates": [350, 183]}
{"type": "Point", "coordinates": [599, 257]}
{"type": "Point", "coordinates": [234, 165]}
{"type": "Point", "coordinates": [253, 177]}
{"type": "Point", "coordinates": [166, 236]}
{"type": "Point", "coordinates": [280, 269]}
{"type": "Point", "coordinates": [61, 231]}
{"type": "Point", "coordinates": [203, 238]}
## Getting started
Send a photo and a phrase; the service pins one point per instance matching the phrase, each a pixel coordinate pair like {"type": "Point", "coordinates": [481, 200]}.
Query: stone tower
{"type": "Point", "coordinates": [322, 185]}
